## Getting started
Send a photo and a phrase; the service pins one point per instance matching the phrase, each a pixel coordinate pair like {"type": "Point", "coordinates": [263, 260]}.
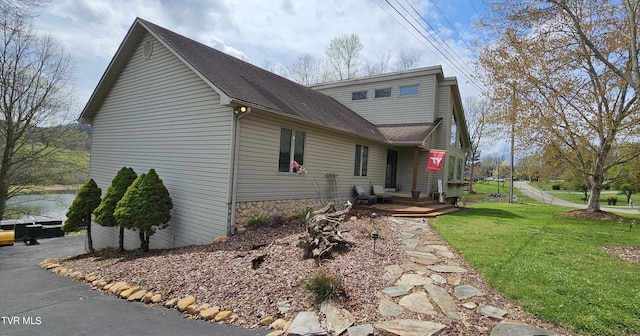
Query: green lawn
{"type": "Point", "coordinates": [577, 196]}
{"type": "Point", "coordinates": [552, 265]}
{"type": "Point", "coordinates": [485, 189]}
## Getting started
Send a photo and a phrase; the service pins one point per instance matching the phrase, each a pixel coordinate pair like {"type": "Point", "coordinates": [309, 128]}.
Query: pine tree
{"type": "Point", "coordinates": [145, 206]}
{"type": "Point", "coordinates": [104, 212]}
{"type": "Point", "coordinates": [79, 214]}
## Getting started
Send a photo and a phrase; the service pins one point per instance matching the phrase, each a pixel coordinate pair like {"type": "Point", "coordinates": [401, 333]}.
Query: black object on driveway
{"type": "Point", "coordinates": [34, 301]}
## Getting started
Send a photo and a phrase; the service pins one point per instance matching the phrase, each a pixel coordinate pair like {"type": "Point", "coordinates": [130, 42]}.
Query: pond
{"type": "Point", "coordinates": [39, 206]}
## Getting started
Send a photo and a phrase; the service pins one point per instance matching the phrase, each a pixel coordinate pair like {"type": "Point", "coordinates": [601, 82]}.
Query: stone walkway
{"type": "Point", "coordinates": [429, 284]}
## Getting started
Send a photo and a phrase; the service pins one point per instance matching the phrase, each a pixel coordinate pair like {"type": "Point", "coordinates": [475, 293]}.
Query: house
{"type": "Point", "coordinates": [222, 133]}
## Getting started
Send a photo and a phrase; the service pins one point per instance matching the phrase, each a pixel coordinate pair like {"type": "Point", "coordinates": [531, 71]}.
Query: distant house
{"type": "Point", "coordinates": [222, 133]}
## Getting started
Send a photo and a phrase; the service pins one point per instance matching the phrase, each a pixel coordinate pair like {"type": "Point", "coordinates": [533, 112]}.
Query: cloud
{"type": "Point", "coordinates": [254, 30]}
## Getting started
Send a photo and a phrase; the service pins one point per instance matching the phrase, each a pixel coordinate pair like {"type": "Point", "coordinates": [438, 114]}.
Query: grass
{"type": "Point", "coordinates": [485, 189]}
{"type": "Point", "coordinates": [552, 265]}
{"type": "Point", "coordinates": [576, 196]}
{"type": "Point", "coordinates": [323, 285]}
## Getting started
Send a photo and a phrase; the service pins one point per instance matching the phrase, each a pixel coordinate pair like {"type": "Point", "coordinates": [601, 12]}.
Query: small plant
{"type": "Point", "coordinates": [276, 220]}
{"type": "Point", "coordinates": [304, 213]}
{"type": "Point", "coordinates": [323, 285]}
{"type": "Point", "coordinates": [257, 221]}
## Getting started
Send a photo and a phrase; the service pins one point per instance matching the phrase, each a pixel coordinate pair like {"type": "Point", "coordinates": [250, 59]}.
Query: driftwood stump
{"type": "Point", "coordinates": [322, 231]}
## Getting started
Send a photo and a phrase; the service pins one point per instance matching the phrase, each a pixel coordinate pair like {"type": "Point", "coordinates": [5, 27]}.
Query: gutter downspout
{"type": "Point", "coordinates": [234, 177]}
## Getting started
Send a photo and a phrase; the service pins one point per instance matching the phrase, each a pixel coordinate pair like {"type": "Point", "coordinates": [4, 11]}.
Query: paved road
{"type": "Point", "coordinates": [34, 301]}
{"type": "Point", "coordinates": [544, 196]}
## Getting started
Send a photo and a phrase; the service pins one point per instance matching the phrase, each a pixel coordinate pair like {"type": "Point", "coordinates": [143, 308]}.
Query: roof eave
{"type": "Point", "coordinates": [377, 137]}
{"type": "Point", "coordinates": [432, 70]}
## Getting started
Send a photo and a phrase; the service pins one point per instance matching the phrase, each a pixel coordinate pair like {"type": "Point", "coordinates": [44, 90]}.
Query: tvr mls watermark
{"type": "Point", "coordinates": [21, 320]}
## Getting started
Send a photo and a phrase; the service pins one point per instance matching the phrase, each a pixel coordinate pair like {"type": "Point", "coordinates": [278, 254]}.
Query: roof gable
{"type": "Point", "coordinates": [237, 80]}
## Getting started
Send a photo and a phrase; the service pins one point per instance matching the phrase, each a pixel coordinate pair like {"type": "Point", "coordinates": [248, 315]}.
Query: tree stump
{"type": "Point", "coordinates": [323, 232]}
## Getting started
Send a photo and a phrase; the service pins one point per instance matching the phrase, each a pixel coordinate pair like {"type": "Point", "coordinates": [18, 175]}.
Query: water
{"type": "Point", "coordinates": [39, 206]}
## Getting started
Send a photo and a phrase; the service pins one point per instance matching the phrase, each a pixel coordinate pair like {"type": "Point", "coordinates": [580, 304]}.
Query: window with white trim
{"type": "Point", "coordinates": [451, 165]}
{"type": "Point", "coordinates": [361, 161]}
{"type": "Point", "coordinates": [383, 93]}
{"type": "Point", "coordinates": [454, 132]}
{"type": "Point", "coordinates": [409, 90]}
{"type": "Point", "coordinates": [358, 95]}
{"type": "Point", "coordinates": [291, 148]}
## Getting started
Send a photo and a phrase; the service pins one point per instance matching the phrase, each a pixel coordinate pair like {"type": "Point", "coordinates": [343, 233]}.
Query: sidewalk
{"type": "Point", "coordinates": [545, 197]}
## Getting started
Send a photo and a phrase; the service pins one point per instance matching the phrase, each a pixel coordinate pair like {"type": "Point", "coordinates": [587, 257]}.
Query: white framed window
{"type": "Point", "coordinates": [382, 93]}
{"type": "Point", "coordinates": [358, 95]}
{"type": "Point", "coordinates": [409, 90]}
{"type": "Point", "coordinates": [361, 161]}
{"type": "Point", "coordinates": [454, 132]}
{"type": "Point", "coordinates": [451, 166]}
{"type": "Point", "coordinates": [292, 145]}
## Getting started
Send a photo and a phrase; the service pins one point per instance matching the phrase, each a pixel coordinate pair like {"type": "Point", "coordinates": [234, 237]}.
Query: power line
{"type": "Point", "coordinates": [452, 26]}
{"type": "Point", "coordinates": [453, 52]}
{"type": "Point", "coordinates": [474, 7]}
{"type": "Point", "coordinates": [422, 38]}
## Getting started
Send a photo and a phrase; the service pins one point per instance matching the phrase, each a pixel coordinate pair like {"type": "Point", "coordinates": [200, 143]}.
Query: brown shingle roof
{"type": "Point", "coordinates": [251, 84]}
{"type": "Point", "coordinates": [408, 134]}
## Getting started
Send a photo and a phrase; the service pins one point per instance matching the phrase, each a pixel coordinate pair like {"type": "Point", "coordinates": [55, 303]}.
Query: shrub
{"type": "Point", "coordinates": [323, 285]}
{"type": "Point", "coordinates": [79, 214]}
{"type": "Point", "coordinates": [612, 199]}
{"type": "Point", "coordinates": [104, 212]}
{"type": "Point", "coordinates": [145, 207]}
{"type": "Point", "coordinates": [257, 221]}
{"type": "Point", "coordinates": [276, 220]}
{"type": "Point", "coordinates": [556, 186]}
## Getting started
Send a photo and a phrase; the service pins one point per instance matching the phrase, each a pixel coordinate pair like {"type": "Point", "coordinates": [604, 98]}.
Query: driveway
{"type": "Point", "coordinates": [34, 301]}
{"type": "Point", "coordinates": [545, 197]}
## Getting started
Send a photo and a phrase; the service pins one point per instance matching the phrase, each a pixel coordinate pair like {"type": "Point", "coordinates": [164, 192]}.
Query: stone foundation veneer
{"type": "Point", "coordinates": [246, 211]}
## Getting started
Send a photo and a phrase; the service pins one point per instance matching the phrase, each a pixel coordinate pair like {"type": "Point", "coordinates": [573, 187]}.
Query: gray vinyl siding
{"type": "Point", "coordinates": [160, 115]}
{"type": "Point", "coordinates": [326, 151]}
{"type": "Point", "coordinates": [405, 170]}
{"type": "Point", "coordinates": [445, 109]}
{"type": "Point", "coordinates": [396, 109]}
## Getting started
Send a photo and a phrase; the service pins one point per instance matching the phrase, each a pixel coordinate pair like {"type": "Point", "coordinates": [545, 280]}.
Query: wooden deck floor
{"type": "Point", "coordinates": [402, 206]}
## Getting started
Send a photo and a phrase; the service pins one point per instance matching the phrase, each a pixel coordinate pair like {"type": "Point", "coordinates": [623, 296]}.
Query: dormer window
{"type": "Point", "coordinates": [358, 95]}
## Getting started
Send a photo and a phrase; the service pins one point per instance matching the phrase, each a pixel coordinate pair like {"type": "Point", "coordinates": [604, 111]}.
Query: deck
{"type": "Point", "coordinates": [403, 205]}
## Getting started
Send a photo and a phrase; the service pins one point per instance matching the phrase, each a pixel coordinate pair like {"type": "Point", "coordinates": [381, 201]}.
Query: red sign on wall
{"type": "Point", "coordinates": [436, 157]}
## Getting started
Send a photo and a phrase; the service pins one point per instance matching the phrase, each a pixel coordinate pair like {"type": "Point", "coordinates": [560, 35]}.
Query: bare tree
{"type": "Point", "coordinates": [565, 75]}
{"type": "Point", "coordinates": [277, 69]}
{"type": "Point", "coordinates": [476, 110]}
{"type": "Point", "coordinates": [34, 91]}
{"type": "Point", "coordinates": [408, 59]}
{"type": "Point", "coordinates": [379, 66]}
{"type": "Point", "coordinates": [305, 69]}
{"type": "Point", "coordinates": [342, 56]}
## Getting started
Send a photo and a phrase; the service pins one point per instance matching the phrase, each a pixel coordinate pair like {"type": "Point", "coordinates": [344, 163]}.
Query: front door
{"type": "Point", "coordinates": [392, 167]}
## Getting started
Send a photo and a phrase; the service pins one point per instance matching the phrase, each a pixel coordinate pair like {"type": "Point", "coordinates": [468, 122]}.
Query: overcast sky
{"type": "Point", "coordinates": [275, 31]}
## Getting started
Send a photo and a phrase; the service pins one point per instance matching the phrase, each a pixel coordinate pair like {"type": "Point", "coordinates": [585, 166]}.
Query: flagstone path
{"type": "Point", "coordinates": [429, 284]}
